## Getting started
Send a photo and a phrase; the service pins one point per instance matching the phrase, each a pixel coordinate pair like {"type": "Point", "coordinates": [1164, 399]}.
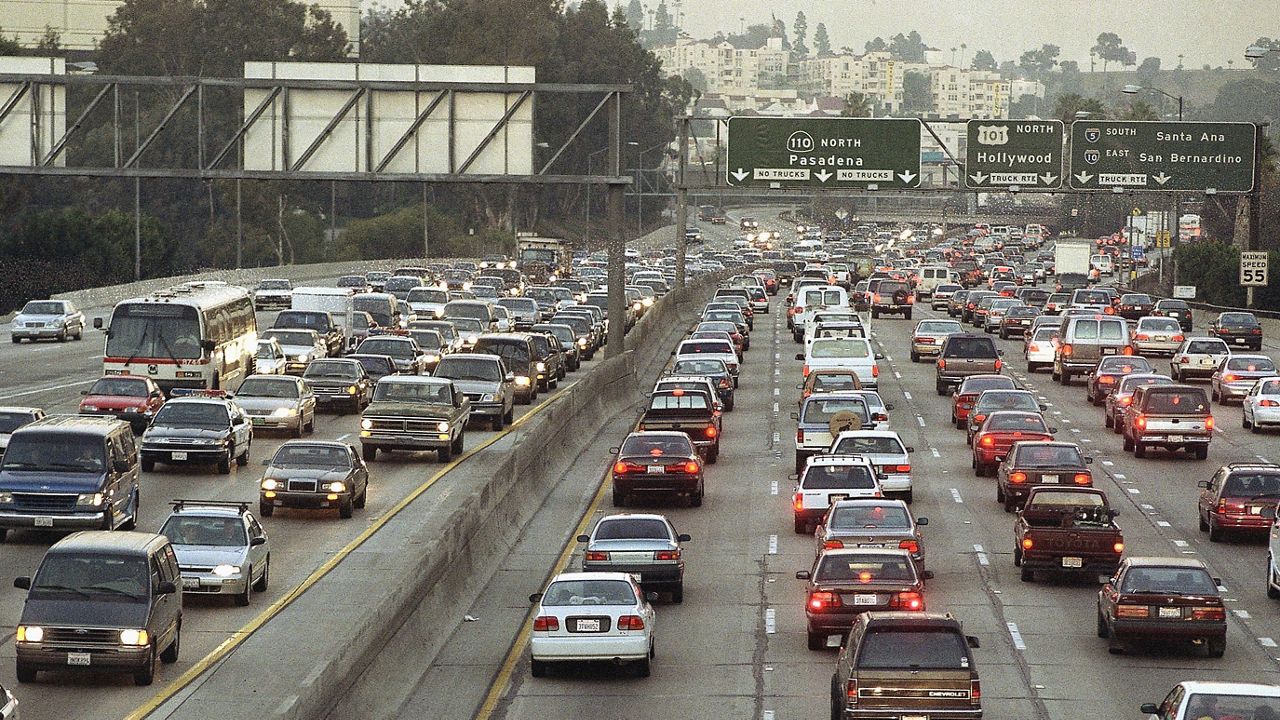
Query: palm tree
{"type": "Point", "coordinates": [856, 105]}
{"type": "Point", "coordinates": [963, 47]}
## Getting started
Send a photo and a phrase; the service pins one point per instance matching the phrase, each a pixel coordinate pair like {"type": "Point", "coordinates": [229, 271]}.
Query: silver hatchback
{"type": "Point", "coordinates": [1153, 335]}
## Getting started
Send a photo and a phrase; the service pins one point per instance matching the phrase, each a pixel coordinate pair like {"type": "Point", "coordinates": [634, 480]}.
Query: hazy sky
{"type": "Point", "coordinates": [1205, 31]}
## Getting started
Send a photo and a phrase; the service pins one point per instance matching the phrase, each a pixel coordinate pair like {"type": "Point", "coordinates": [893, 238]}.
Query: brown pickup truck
{"type": "Point", "coordinates": [963, 355]}
{"type": "Point", "coordinates": [1070, 530]}
{"type": "Point", "coordinates": [1168, 416]}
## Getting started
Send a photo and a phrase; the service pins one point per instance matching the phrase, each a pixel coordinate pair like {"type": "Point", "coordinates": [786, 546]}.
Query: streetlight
{"type": "Point", "coordinates": [1135, 89]}
{"type": "Point", "coordinates": [1255, 52]}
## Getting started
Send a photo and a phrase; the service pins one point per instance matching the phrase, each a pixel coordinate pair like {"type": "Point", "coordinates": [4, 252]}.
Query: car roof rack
{"type": "Point", "coordinates": [180, 504]}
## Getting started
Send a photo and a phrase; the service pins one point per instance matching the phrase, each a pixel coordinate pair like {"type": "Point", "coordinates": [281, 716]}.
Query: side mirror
{"type": "Point", "coordinates": [1202, 483]}
{"type": "Point", "coordinates": [255, 542]}
{"type": "Point", "coordinates": [1042, 407]}
{"type": "Point", "coordinates": [972, 641]}
{"type": "Point", "coordinates": [1149, 708]}
{"type": "Point", "coordinates": [1088, 460]}
{"type": "Point", "coordinates": [795, 416]}
{"type": "Point", "coordinates": [922, 521]}
{"type": "Point", "coordinates": [1053, 431]}
{"type": "Point", "coordinates": [22, 583]}
{"type": "Point", "coordinates": [888, 406]}
{"type": "Point", "coordinates": [536, 597]}
{"type": "Point", "coordinates": [651, 596]}
{"type": "Point", "coordinates": [97, 323]}
{"type": "Point", "coordinates": [800, 356]}
{"type": "Point", "coordinates": [879, 356]}
{"type": "Point", "coordinates": [511, 377]}
{"type": "Point", "coordinates": [166, 588]}
{"type": "Point", "coordinates": [800, 386]}
{"type": "Point", "coordinates": [793, 476]}
{"type": "Point", "coordinates": [266, 463]}
{"type": "Point", "coordinates": [802, 575]}
{"type": "Point", "coordinates": [84, 392]}
{"type": "Point", "coordinates": [683, 537]}
{"type": "Point", "coordinates": [1217, 581]}
{"type": "Point", "coordinates": [1113, 513]}
{"type": "Point", "coordinates": [584, 538]}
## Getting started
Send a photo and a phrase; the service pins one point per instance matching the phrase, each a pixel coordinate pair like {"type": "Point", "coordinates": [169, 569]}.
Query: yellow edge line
{"type": "Point", "coordinates": [239, 636]}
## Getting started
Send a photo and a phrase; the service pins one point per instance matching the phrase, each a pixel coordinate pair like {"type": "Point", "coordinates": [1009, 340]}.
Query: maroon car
{"type": "Point", "coordinates": [132, 398]}
{"type": "Point", "coordinates": [1171, 599]}
{"type": "Point", "coordinates": [657, 463]}
{"type": "Point", "coordinates": [1241, 498]}
{"type": "Point", "coordinates": [1104, 378]}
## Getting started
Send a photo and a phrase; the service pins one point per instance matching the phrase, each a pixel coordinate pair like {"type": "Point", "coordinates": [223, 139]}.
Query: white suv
{"type": "Point", "coordinates": [826, 479]}
{"type": "Point", "coordinates": [886, 451]}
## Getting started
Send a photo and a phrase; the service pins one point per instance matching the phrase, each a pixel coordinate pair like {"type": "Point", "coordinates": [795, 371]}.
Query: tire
{"type": "Point", "coordinates": [18, 341]}
{"type": "Point", "coordinates": [265, 580]}
{"type": "Point", "coordinates": [915, 357]}
{"type": "Point", "coordinates": [1017, 555]}
{"type": "Point", "coordinates": [311, 424]}
{"type": "Point", "coordinates": [459, 444]}
{"type": "Point", "coordinates": [297, 429]}
{"type": "Point", "coordinates": [346, 508]}
{"type": "Point", "coordinates": [244, 597]}
{"type": "Point", "coordinates": [1202, 452]}
{"type": "Point", "coordinates": [1244, 422]}
{"type": "Point", "coordinates": [695, 500]}
{"type": "Point", "coordinates": [1103, 630]}
{"type": "Point", "coordinates": [644, 668]}
{"type": "Point", "coordinates": [369, 452]}
{"type": "Point", "coordinates": [1173, 373]}
{"type": "Point", "coordinates": [1272, 591]}
{"type": "Point", "coordinates": [1216, 534]}
{"type": "Point", "coordinates": [1027, 575]}
{"type": "Point", "coordinates": [1253, 428]}
{"type": "Point", "coordinates": [1009, 503]}
{"type": "Point", "coordinates": [875, 314]}
{"type": "Point", "coordinates": [1204, 526]}
{"type": "Point", "coordinates": [909, 496]}
{"type": "Point", "coordinates": [495, 423]}
{"type": "Point", "coordinates": [799, 464]}
{"type": "Point", "coordinates": [942, 389]}
{"type": "Point", "coordinates": [817, 641]}
{"type": "Point", "coordinates": [908, 315]}
{"type": "Point", "coordinates": [619, 498]}
{"type": "Point", "coordinates": [362, 499]}
{"type": "Point", "coordinates": [26, 674]}
{"type": "Point", "coordinates": [147, 674]}
{"type": "Point", "coordinates": [148, 465]}
{"type": "Point", "coordinates": [999, 493]}
{"type": "Point", "coordinates": [1128, 444]}
{"type": "Point", "coordinates": [677, 595]}
{"type": "Point", "coordinates": [537, 668]}
{"type": "Point", "coordinates": [242, 460]}
{"type": "Point", "coordinates": [266, 509]}
{"type": "Point", "coordinates": [1216, 647]}
{"type": "Point", "coordinates": [1107, 421]}
{"type": "Point", "coordinates": [714, 455]}
{"type": "Point", "coordinates": [1065, 377]}
{"type": "Point", "coordinates": [62, 336]}
{"type": "Point", "coordinates": [224, 465]}
{"type": "Point", "coordinates": [132, 522]}
{"type": "Point", "coordinates": [510, 416]}
{"type": "Point", "coordinates": [1139, 450]}
{"type": "Point", "coordinates": [801, 526]}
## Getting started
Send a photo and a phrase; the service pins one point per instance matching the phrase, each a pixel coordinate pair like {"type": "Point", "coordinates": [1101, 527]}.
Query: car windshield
{"type": "Point", "coordinates": [1169, 580]}
{"type": "Point", "coordinates": [1178, 402]}
{"type": "Point", "coordinates": [469, 369]}
{"type": "Point", "coordinates": [274, 285]}
{"type": "Point", "coordinates": [193, 415]}
{"type": "Point", "coordinates": [823, 409]}
{"type": "Point", "coordinates": [55, 452]}
{"type": "Point", "coordinates": [516, 354]}
{"type": "Point", "coordinates": [915, 648]}
{"type": "Point", "coordinates": [428, 295]}
{"type": "Point", "coordinates": [393, 347]}
{"type": "Point", "coordinates": [268, 388]}
{"type": "Point", "coordinates": [870, 445]}
{"type": "Point", "coordinates": [1043, 456]}
{"type": "Point", "coordinates": [970, 347]}
{"type": "Point", "coordinates": [862, 517]}
{"type": "Point", "coordinates": [1025, 422]}
{"type": "Point", "coordinates": [154, 330]}
{"type": "Point", "coordinates": [390, 390]}
{"type": "Point", "coordinates": [1251, 364]}
{"type": "Point", "coordinates": [1252, 485]}
{"type": "Point", "coordinates": [840, 348]}
{"type": "Point", "coordinates": [332, 369]}
{"type": "Point", "coordinates": [832, 382]}
{"type": "Point", "coordinates": [589, 592]}
{"type": "Point", "coordinates": [119, 387]}
{"type": "Point", "coordinates": [426, 339]}
{"type": "Point", "coordinates": [103, 577]}
{"type": "Point", "coordinates": [1208, 347]}
{"type": "Point", "coordinates": [311, 455]}
{"type": "Point", "coordinates": [291, 337]}
{"type": "Point", "coordinates": [42, 308]}
{"type": "Point", "coordinates": [632, 529]}
{"type": "Point", "coordinates": [220, 531]}
{"type": "Point", "coordinates": [865, 568]}
{"type": "Point", "coordinates": [829, 477]}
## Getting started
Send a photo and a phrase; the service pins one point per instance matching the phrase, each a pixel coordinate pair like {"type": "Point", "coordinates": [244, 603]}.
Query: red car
{"type": "Point", "coordinates": [1240, 497]}
{"type": "Point", "coordinates": [967, 394]}
{"type": "Point", "coordinates": [657, 463]}
{"type": "Point", "coordinates": [131, 398]}
{"type": "Point", "coordinates": [1002, 429]}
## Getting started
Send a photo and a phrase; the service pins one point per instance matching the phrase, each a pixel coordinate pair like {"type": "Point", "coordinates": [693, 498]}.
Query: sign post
{"type": "Point", "coordinates": [1014, 153]}
{"type": "Point", "coordinates": [823, 153]}
{"type": "Point", "coordinates": [1173, 156]}
{"type": "Point", "coordinates": [1253, 273]}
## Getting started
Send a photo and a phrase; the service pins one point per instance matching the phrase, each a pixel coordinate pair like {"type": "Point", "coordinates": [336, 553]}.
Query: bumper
{"type": "Point", "coordinates": [678, 483]}
{"type": "Point", "coordinates": [210, 584]}
{"type": "Point", "coordinates": [837, 622]}
{"type": "Point", "coordinates": [284, 498]}
{"type": "Point", "coordinates": [1168, 629]}
{"type": "Point", "coordinates": [891, 309]}
{"type": "Point", "coordinates": [1155, 348]}
{"type": "Point", "coordinates": [990, 456]}
{"type": "Point", "coordinates": [405, 442]}
{"type": "Point", "coordinates": [1096, 565]}
{"type": "Point", "coordinates": [493, 409]}
{"type": "Point", "coordinates": [173, 456]}
{"type": "Point", "coordinates": [17, 520]}
{"type": "Point", "coordinates": [586, 647]}
{"type": "Point", "coordinates": [1181, 441]}
{"type": "Point", "coordinates": [132, 417]}
{"type": "Point", "coordinates": [1236, 389]}
{"type": "Point", "coordinates": [1242, 522]}
{"type": "Point", "coordinates": [273, 422]}
{"type": "Point", "coordinates": [908, 712]}
{"type": "Point", "coordinates": [42, 657]}
{"type": "Point", "coordinates": [895, 483]}
{"type": "Point", "coordinates": [926, 349]}
{"type": "Point", "coordinates": [39, 333]}
{"type": "Point", "coordinates": [1040, 357]}
{"type": "Point", "coordinates": [1201, 371]}
{"type": "Point", "coordinates": [666, 574]}
{"type": "Point", "coordinates": [1266, 416]}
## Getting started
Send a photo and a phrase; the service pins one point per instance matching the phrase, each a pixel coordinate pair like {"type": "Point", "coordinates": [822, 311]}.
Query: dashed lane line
{"type": "Point", "coordinates": [982, 555]}
{"type": "Point", "coordinates": [955, 495]}
{"type": "Point", "coordinates": [770, 621]}
{"type": "Point", "coordinates": [1016, 636]}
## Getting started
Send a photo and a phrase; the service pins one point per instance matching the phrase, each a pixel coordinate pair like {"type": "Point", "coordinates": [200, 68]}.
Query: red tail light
{"type": "Point", "coordinates": [596, 556]}
{"type": "Point", "coordinates": [1107, 380]}
{"type": "Point", "coordinates": [1018, 477]}
{"type": "Point", "coordinates": [1269, 403]}
{"type": "Point", "coordinates": [1140, 422]}
{"type": "Point", "coordinates": [875, 298]}
{"type": "Point", "coordinates": [805, 370]}
{"type": "Point", "coordinates": [1118, 547]}
{"type": "Point", "coordinates": [691, 467]}
{"type": "Point", "coordinates": [711, 431]}
{"type": "Point", "coordinates": [999, 364]}
{"type": "Point", "coordinates": [822, 600]}
{"type": "Point", "coordinates": [897, 468]}
{"type": "Point", "coordinates": [911, 300]}
{"type": "Point", "coordinates": [907, 601]}
{"type": "Point", "coordinates": [799, 436]}
{"type": "Point", "coordinates": [667, 555]}
{"type": "Point", "coordinates": [1027, 543]}
{"type": "Point", "coordinates": [545, 623]}
{"type": "Point", "coordinates": [1184, 359]}
{"type": "Point", "coordinates": [942, 364]}
{"type": "Point", "coordinates": [1127, 400]}
{"type": "Point", "coordinates": [910, 546]}
{"type": "Point", "coordinates": [851, 691]}
{"type": "Point", "coordinates": [1132, 611]}
{"type": "Point", "coordinates": [1067, 349]}
{"type": "Point", "coordinates": [1177, 338]}
{"type": "Point", "coordinates": [1142, 336]}
{"type": "Point", "coordinates": [1208, 423]}
{"type": "Point", "coordinates": [979, 418]}
{"type": "Point", "coordinates": [975, 692]}
{"type": "Point", "coordinates": [622, 468]}
{"type": "Point", "coordinates": [833, 545]}
{"type": "Point", "coordinates": [988, 441]}
{"type": "Point", "coordinates": [798, 502]}
{"type": "Point", "coordinates": [630, 622]}
{"type": "Point", "coordinates": [1082, 479]}
{"type": "Point", "coordinates": [875, 371]}
{"type": "Point", "coordinates": [1033, 348]}
{"type": "Point", "coordinates": [1109, 310]}
{"type": "Point", "coordinates": [1208, 613]}
{"type": "Point", "coordinates": [1128, 350]}
{"type": "Point", "coordinates": [1229, 378]}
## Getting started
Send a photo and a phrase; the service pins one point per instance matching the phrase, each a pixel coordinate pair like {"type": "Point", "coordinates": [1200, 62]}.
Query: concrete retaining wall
{"type": "Point", "coordinates": [404, 590]}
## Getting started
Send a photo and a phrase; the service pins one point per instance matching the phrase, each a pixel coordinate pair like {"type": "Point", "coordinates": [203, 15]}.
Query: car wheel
{"type": "Point", "coordinates": [346, 508]}
{"type": "Point", "coordinates": [1216, 647]}
{"type": "Point", "coordinates": [619, 498]}
{"type": "Point", "coordinates": [1017, 555]}
{"type": "Point", "coordinates": [265, 580]}
{"type": "Point", "coordinates": [132, 522]}
{"type": "Point", "coordinates": [1273, 592]}
{"type": "Point", "coordinates": [942, 389]}
{"type": "Point", "coordinates": [908, 315]}
{"type": "Point", "coordinates": [495, 423]}
{"type": "Point", "coordinates": [1254, 428]}
{"type": "Point", "coordinates": [1139, 449]}
{"type": "Point", "coordinates": [147, 674]}
{"type": "Point", "coordinates": [311, 424]}
{"type": "Point", "coordinates": [817, 641]}
{"type": "Point", "coordinates": [677, 595]}
{"type": "Point", "coordinates": [908, 496]}
{"type": "Point", "coordinates": [16, 340]}
{"type": "Point", "coordinates": [1009, 503]}
{"type": "Point", "coordinates": [801, 526]}
{"type": "Point", "coordinates": [1216, 534]}
{"type": "Point", "coordinates": [1107, 420]}
{"type": "Point", "coordinates": [148, 465]}
{"type": "Point", "coordinates": [62, 336]}
{"type": "Point", "coordinates": [537, 668]}
{"type": "Point", "coordinates": [224, 465]}
{"type": "Point", "coordinates": [26, 673]}
{"type": "Point", "coordinates": [1128, 444]}
{"type": "Point", "coordinates": [369, 452]}
{"type": "Point", "coordinates": [362, 499]}
{"type": "Point", "coordinates": [915, 357]}
{"type": "Point", "coordinates": [1244, 421]}
{"type": "Point", "coordinates": [1204, 524]}
{"type": "Point", "coordinates": [644, 668]}
{"type": "Point", "coordinates": [458, 444]}
{"type": "Point", "coordinates": [245, 596]}
{"type": "Point", "coordinates": [695, 500]}
{"type": "Point", "coordinates": [999, 493]}
{"type": "Point", "coordinates": [1064, 377]}
{"type": "Point", "coordinates": [243, 458]}
{"type": "Point", "coordinates": [1027, 575]}
{"type": "Point", "coordinates": [1103, 630]}
{"type": "Point", "coordinates": [297, 429]}
{"type": "Point", "coordinates": [510, 416]}
{"type": "Point", "coordinates": [266, 509]}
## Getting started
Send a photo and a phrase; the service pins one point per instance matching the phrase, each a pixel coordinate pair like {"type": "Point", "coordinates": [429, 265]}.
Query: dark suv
{"type": "Point", "coordinates": [963, 355]}
{"type": "Point", "coordinates": [517, 352]}
{"type": "Point", "coordinates": [891, 297]}
{"type": "Point", "coordinates": [906, 664]}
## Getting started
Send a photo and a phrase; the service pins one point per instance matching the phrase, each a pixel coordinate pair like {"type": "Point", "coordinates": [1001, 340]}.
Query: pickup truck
{"type": "Point", "coordinates": [691, 412]}
{"type": "Point", "coordinates": [414, 412]}
{"type": "Point", "coordinates": [1171, 416]}
{"type": "Point", "coordinates": [963, 355]}
{"type": "Point", "coordinates": [1067, 529]}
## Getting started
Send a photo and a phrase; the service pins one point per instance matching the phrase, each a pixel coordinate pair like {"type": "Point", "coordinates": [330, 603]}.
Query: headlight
{"type": "Point", "coordinates": [337, 487]}
{"type": "Point", "coordinates": [542, 367]}
{"type": "Point", "coordinates": [89, 408]}
{"type": "Point", "coordinates": [442, 427]}
{"type": "Point", "coordinates": [136, 638]}
{"type": "Point", "coordinates": [521, 380]}
{"type": "Point", "coordinates": [647, 301]}
{"type": "Point", "coordinates": [466, 286]}
{"type": "Point", "coordinates": [439, 312]}
{"type": "Point", "coordinates": [6, 498]}
{"type": "Point", "coordinates": [472, 339]}
{"type": "Point", "coordinates": [582, 342]}
{"type": "Point", "coordinates": [224, 570]}
{"type": "Point", "coordinates": [89, 500]}
{"type": "Point", "coordinates": [30, 633]}
{"type": "Point", "coordinates": [636, 305]}
{"type": "Point", "coordinates": [366, 424]}
{"type": "Point", "coordinates": [433, 358]}
{"type": "Point", "coordinates": [302, 358]}
{"type": "Point", "coordinates": [487, 397]}
{"type": "Point", "coordinates": [269, 484]}
{"type": "Point", "coordinates": [351, 389]}
{"type": "Point", "coordinates": [284, 412]}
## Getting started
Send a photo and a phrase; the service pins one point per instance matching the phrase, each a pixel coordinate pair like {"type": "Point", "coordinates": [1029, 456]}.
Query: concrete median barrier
{"type": "Point", "coordinates": [400, 594]}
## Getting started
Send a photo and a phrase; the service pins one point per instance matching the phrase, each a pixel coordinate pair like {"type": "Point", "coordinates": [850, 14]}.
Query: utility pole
{"type": "Point", "coordinates": [426, 225]}
{"type": "Point", "coordinates": [616, 242]}
{"type": "Point", "coordinates": [682, 203]}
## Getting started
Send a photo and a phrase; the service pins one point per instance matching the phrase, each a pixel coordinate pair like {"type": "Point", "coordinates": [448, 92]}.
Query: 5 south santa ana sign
{"type": "Point", "coordinates": [1169, 156]}
{"type": "Point", "coordinates": [818, 153]}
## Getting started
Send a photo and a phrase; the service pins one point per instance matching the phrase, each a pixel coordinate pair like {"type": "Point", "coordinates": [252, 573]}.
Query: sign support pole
{"type": "Point", "coordinates": [1255, 198]}
{"type": "Point", "coordinates": [682, 202]}
{"type": "Point", "coordinates": [617, 243]}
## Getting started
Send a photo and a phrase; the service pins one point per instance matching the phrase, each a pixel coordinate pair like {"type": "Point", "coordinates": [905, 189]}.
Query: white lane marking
{"type": "Point", "coordinates": [1017, 636]}
{"type": "Point", "coordinates": [1042, 397]}
{"type": "Point", "coordinates": [775, 408]}
{"type": "Point", "coordinates": [906, 394]}
{"type": "Point", "coordinates": [344, 436]}
{"type": "Point", "coordinates": [955, 495]}
{"type": "Point", "coordinates": [1242, 614]}
{"type": "Point", "coordinates": [1048, 404]}
{"type": "Point", "coordinates": [1120, 476]}
{"type": "Point", "coordinates": [1086, 440]}
{"type": "Point", "coordinates": [49, 388]}
{"type": "Point", "coordinates": [982, 555]}
{"type": "Point", "coordinates": [770, 621]}
{"type": "Point", "coordinates": [777, 392]}
{"type": "Point", "coordinates": [935, 452]}
{"type": "Point", "coordinates": [897, 375]}
{"type": "Point", "coordinates": [1108, 463]}
{"type": "Point", "coordinates": [777, 437]}
{"type": "Point", "coordinates": [777, 356]}
{"type": "Point", "coordinates": [773, 488]}
{"type": "Point", "coordinates": [1262, 459]}
{"type": "Point", "coordinates": [766, 715]}
{"type": "Point", "coordinates": [1163, 523]}
{"type": "Point", "coordinates": [773, 544]}
{"type": "Point", "coordinates": [1181, 543]}
{"type": "Point", "coordinates": [1266, 642]}
{"type": "Point", "coordinates": [1075, 430]}
{"type": "Point", "coordinates": [777, 372]}
{"type": "Point", "coordinates": [1147, 506]}
{"type": "Point", "coordinates": [920, 420]}
{"type": "Point", "coordinates": [890, 359]}
{"type": "Point", "coordinates": [1134, 491]}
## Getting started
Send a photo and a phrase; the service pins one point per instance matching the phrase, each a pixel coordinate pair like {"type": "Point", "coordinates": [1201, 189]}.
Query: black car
{"type": "Point", "coordinates": [1176, 309]}
{"type": "Point", "coordinates": [203, 428]}
{"type": "Point", "coordinates": [314, 474]}
{"type": "Point", "coordinates": [714, 370]}
{"type": "Point", "coordinates": [1135, 305]}
{"type": "Point", "coordinates": [1238, 329]}
{"type": "Point", "coordinates": [340, 382]}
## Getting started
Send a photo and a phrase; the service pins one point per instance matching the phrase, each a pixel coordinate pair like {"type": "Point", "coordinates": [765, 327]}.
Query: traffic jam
{"type": "Point", "coordinates": [993, 320]}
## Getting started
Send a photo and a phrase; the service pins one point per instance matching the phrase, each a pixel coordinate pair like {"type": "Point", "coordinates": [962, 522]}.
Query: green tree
{"type": "Point", "coordinates": [1148, 71]}
{"type": "Point", "coordinates": [908, 48]}
{"type": "Point", "coordinates": [801, 30]}
{"type": "Point", "coordinates": [1139, 110]}
{"type": "Point", "coordinates": [876, 44]}
{"type": "Point", "coordinates": [856, 105]}
{"type": "Point", "coordinates": [755, 36]}
{"type": "Point", "coordinates": [696, 79]}
{"type": "Point", "coordinates": [1110, 48]}
{"type": "Point", "coordinates": [1040, 62]}
{"type": "Point", "coordinates": [1071, 103]}
{"type": "Point", "coordinates": [984, 60]}
{"type": "Point", "coordinates": [821, 42]}
{"type": "Point", "coordinates": [635, 15]}
{"type": "Point", "coordinates": [9, 45]}
{"type": "Point", "coordinates": [1269, 61]}
{"type": "Point", "coordinates": [917, 93]}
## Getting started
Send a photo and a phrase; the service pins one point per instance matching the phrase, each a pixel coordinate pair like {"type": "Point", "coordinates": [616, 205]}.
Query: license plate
{"type": "Point", "coordinates": [80, 659]}
{"type": "Point", "coordinates": [864, 599]}
{"type": "Point", "coordinates": [1162, 338]}
{"type": "Point", "coordinates": [1025, 322]}
{"type": "Point", "coordinates": [1242, 341]}
{"type": "Point", "coordinates": [190, 583]}
{"type": "Point", "coordinates": [44, 522]}
{"type": "Point", "coordinates": [259, 421]}
{"type": "Point", "coordinates": [1175, 438]}
{"type": "Point", "coordinates": [656, 469]}
{"type": "Point", "coordinates": [1255, 509]}
{"type": "Point", "coordinates": [588, 626]}
{"type": "Point", "coordinates": [834, 498]}
{"type": "Point", "coordinates": [1206, 361]}
{"type": "Point", "coordinates": [1048, 479]}
{"type": "Point", "coordinates": [915, 717]}
{"type": "Point", "coordinates": [1072, 562]}
{"type": "Point", "coordinates": [178, 455]}
{"type": "Point", "coordinates": [1169, 612]}
{"type": "Point", "coordinates": [1108, 351]}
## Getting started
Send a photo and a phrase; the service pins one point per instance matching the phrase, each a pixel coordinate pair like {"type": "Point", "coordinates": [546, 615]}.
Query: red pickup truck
{"type": "Point", "coordinates": [1067, 529]}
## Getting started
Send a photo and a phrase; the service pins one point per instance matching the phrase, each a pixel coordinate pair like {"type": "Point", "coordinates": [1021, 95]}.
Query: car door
{"type": "Point", "coordinates": [359, 470]}
{"type": "Point", "coordinates": [117, 487]}
{"type": "Point", "coordinates": [306, 400]}
{"type": "Point", "coordinates": [241, 431]}
{"type": "Point", "coordinates": [257, 553]}
{"type": "Point", "coordinates": [163, 615]}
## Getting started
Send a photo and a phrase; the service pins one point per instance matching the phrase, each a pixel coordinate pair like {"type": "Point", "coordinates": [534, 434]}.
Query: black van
{"type": "Point", "coordinates": [101, 601]}
{"type": "Point", "coordinates": [517, 352]}
{"type": "Point", "coordinates": [70, 472]}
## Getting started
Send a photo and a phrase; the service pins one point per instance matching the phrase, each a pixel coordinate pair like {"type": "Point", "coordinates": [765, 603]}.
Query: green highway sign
{"type": "Point", "coordinates": [1145, 155]}
{"type": "Point", "coordinates": [1004, 153]}
{"type": "Point", "coordinates": [816, 153]}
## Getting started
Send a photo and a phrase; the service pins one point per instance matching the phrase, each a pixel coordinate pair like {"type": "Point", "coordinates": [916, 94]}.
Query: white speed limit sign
{"type": "Point", "coordinates": [1253, 269]}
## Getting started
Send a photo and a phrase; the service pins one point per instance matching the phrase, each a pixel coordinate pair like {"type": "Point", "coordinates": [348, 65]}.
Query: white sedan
{"type": "Point", "coordinates": [1195, 699]}
{"type": "Point", "coordinates": [1262, 404]}
{"type": "Point", "coordinates": [598, 616]}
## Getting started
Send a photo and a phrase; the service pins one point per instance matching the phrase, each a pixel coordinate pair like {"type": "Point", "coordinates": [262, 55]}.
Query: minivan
{"type": "Point", "coordinates": [101, 601]}
{"type": "Point", "coordinates": [70, 472]}
{"type": "Point", "coordinates": [474, 309]}
{"type": "Point", "coordinates": [1084, 339]}
{"type": "Point", "coordinates": [930, 278]}
{"type": "Point", "coordinates": [518, 354]}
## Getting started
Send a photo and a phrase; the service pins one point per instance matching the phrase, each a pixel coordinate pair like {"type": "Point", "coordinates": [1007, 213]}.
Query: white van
{"type": "Point", "coordinates": [813, 298]}
{"type": "Point", "coordinates": [338, 302]}
{"type": "Point", "coordinates": [1101, 263]}
{"type": "Point", "coordinates": [931, 277]}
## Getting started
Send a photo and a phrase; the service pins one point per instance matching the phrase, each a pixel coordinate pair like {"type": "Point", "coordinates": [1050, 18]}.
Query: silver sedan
{"type": "Point", "coordinates": [282, 402]}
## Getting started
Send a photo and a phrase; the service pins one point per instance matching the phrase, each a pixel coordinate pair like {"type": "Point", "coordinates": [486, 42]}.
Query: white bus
{"type": "Point", "coordinates": [190, 336]}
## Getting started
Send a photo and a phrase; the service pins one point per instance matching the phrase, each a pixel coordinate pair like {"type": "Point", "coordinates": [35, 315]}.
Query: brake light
{"type": "Point", "coordinates": [907, 601]}
{"type": "Point", "coordinates": [1107, 380]}
{"type": "Point", "coordinates": [1128, 350]}
{"type": "Point", "coordinates": [622, 468]}
{"type": "Point", "coordinates": [596, 556]}
{"type": "Point", "coordinates": [1208, 423]}
{"type": "Point", "coordinates": [1140, 422]}
{"type": "Point", "coordinates": [1132, 611]}
{"type": "Point", "coordinates": [1208, 613]}
{"type": "Point", "coordinates": [999, 364]}
{"type": "Point", "coordinates": [875, 371]}
{"type": "Point", "coordinates": [851, 691]}
{"type": "Point", "coordinates": [975, 692]}
{"type": "Point", "coordinates": [1033, 347]}
{"type": "Point", "coordinates": [1269, 403]}
{"type": "Point", "coordinates": [1109, 310]}
{"type": "Point", "coordinates": [988, 441]}
{"type": "Point", "coordinates": [1225, 505]}
{"type": "Point", "coordinates": [1067, 349]}
{"type": "Point", "coordinates": [1142, 336]}
{"type": "Point", "coordinates": [711, 431]}
{"type": "Point", "coordinates": [1257, 331]}
{"type": "Point", "coordinates": [910, 546]}
{"type": "Point", "coordinates": [667, 555]}
{"type": "Point", "coordinates": [1184, 359]}
{"type": "Point", "coordinates": [1018, 477]}
{"type": "Point", "coordinates": [1229, 378]}
{"type": "Point", "coordinates": [875, 298]}
{"type": "Point", "coordinates": [797, 309]}
{"type": "Point", "coordinates": [1082, 479]}
{"type": "Point", "coordinates": [1177, 338]}
{"type": "Point", "coordinates": [545, 623]}
{"type": "Point", "coordinates": [630, 622]}
{"type": "Point", "coordinates": [823, 600]}
{"type": "Point", "coordinates": [805, 370]}
{"type": "Point", "coordinates": [798, 502]}
{"type": "Point", "coordinates": [911, 300]}
{"type": "Point", "coordinates": [1118, 547]}
{"type": "Point", "coordinates": [691, 467]}
{"type": "Point", "coordinates": [833, 545]}
{"type": "Point", "coordinates": [979, 418]}
{"type": "Point", "coordinates": [942, 364]}
{"type": "Point", "coordinates": [1027, 543]}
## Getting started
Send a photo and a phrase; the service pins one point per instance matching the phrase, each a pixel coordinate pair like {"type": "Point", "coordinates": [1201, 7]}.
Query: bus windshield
{"type": "Point", "coordinates": [542, 255]}
{"type": "Point", "coordinates": [154, 330]}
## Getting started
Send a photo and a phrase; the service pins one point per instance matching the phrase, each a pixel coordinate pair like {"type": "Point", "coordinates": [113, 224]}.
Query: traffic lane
{"type": "Point", "coordinates": [301, 540]}
{"type": "Point", "coordinates": [1054, 618]}
{"type": "Point", "coordinates": [708, 649]}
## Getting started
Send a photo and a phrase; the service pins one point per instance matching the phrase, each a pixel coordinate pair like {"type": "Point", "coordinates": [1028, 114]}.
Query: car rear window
{"type": "Point", "coordinates": [1270, 387]}
{"type": "Point", "coordinates": [706, 346]}
{"type": "Point", "coordinates": [840, 348]}
{"type": "Point", "coordinates": [1207, 347]}
{"type": "Point", "coordinates": [1189, 580]}
{"type": "Point", "coordinates": [682, 401]}
{"type": "Point", "coordinates": [938, 326]}
{"type": "Point", "coordinates": [1177, 401]}
{"type": "Point", "coordinates": [829, 477]}
{"type": "Point", "coordinates": [970, 347]}
{"type": "Point", "coordinates": [1252, 485]}
{"type": "Point", "coordinates": [1048, 456]}
{"type": "Point", "coordinates": [915, 648]}
{"type": "Point", "coordinates": [629, 528]}
{"type": "Point", "coordinates": [822, 410]}
{"type": "Point", "coordinates": [879, 445]}
{"type": "Point", "coordinates": [1159, 325]}
{"type": "Point", "coordinates": [865, 568]}
{"type": "Point", "coordinates": [589, 592]}
{"type": "Point", "coordinates": [861, 517]}
{"type": "Point", "coordinates": [1011, 400]}
{"type": "Point", "coordinates": [1015, 421]}
{"type": "Point", "coordinates": [1251, 364]}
